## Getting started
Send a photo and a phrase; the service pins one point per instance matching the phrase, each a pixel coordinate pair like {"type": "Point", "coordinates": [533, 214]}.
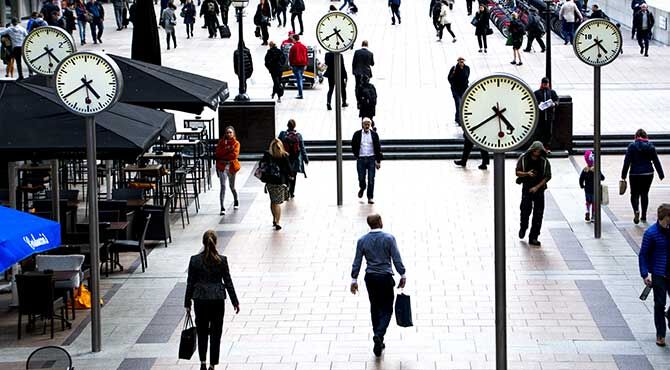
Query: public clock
{"type": "Point", "coordinates": [597, 42]}
{"type": "Point", "coordinates": [45, 47]}
{"type": "Point", "coordinates": [499, 113]}
{"type": "Point", "coordinates": [88, 82]}
{"type": "Point", "coordinates": [336, 32]}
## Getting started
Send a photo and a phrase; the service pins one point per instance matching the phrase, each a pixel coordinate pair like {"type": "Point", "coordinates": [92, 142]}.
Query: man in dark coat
{"type": "Point", "coordinates": [635, 7]}
{"type": "Point", "coordinates": [330, 74]}
{"type": "Point", "coordinates": [362, 63]}
{"type": "Point", "coordinates": [546, 119]}
{"type": "Point", "coordinates": [643, 23]}
{"type": "Point", "coordinates": [210, 10]}
{"type": "Point", "coordinates": [275, 60]}
{"type": "Point", "coordinates": [367, 100]}
{"type": "Point", "coordinates": [535, 29]}
{"type": "Point", "coordinates": [459, 80]}
{"type": "Point", "coordinates": [596, 12]}
{"type": "Point", "coordinates": [533, 171]}
{"type": "Point", "coordinates": [247, 63]}
{"type": "Point", "coordinates": [145, 44]}
{"type": "Point", "coordinates": [367, 150]}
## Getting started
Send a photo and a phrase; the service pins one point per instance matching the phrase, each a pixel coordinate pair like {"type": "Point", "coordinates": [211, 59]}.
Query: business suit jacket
{"type": "Point", "coordinates": [330, 71]}
{"type": "Point", "coordinates": [208, 282]}
{"type": "Point", "coordinates": [356, 145]}
{"type": "Point", "coordinates": [363, 60]}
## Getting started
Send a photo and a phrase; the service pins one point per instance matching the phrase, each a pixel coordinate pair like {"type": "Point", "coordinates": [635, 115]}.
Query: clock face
{"type": "Point", "coordinates": [88, 83]}
{"type": "Point", "coordinates": [45, 47]}
{"type": "Point", "coordinates": [336, 32]}
{"type": "Point", "coordinates": [597, 42]}
{"type": "Point", "coordinates": [499, 113]}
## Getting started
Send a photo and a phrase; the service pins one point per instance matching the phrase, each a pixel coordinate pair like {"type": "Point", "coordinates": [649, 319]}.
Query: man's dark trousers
{"type": "Point", "coordinates": [380, 291]}
{"type": "Point", "coordinates": [660, 286]}
{"type": "Point", "coordinates": [467, 148]}
{"type": "Point", "coordinates": [532, 202]}
{"type": "Point", "coordinates": [363, 165]}
{"type": "Point", "coordinates": [643, 37]}
{"type": "Point", "coordinates": [457, 95]}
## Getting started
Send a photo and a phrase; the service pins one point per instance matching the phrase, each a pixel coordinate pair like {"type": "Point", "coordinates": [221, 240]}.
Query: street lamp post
{"type": "Point", "coordinates": [239, 8]}
{"type": "Point", "coordinates": [547, 20]}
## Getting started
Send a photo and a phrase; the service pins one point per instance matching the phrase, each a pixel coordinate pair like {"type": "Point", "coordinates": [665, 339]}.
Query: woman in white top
{"type": "Point", "coordinates": [444, 22]}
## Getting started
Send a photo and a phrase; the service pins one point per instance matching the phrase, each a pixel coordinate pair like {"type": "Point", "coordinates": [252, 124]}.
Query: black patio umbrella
{"type": "Point", "coordinates": [35, 125]}
{"type": "Point", "coordinates": [145, 44]}
{"type": "Point", "coordinates": [159, 87]}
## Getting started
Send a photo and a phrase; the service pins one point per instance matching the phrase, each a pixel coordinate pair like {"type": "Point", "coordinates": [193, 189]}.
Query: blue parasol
{"type": "Point", "coordinates": [22, 235]}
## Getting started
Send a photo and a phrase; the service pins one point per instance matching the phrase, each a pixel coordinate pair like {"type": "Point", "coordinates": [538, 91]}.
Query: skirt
{"type": "Point", "coordinates": [278, 193]}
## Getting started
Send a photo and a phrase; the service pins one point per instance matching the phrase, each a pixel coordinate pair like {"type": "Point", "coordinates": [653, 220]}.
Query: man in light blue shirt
{"type": "Point", "coordinates": [17, 34]}
{"type": "Point", "coordinates": [379, 249]}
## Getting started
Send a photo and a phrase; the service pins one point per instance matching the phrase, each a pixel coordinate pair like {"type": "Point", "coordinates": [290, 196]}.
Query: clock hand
{"type": "Point", "coordinates": [329, 36]}
{"type": "Point", "coordinates": [338, 35]}
{"type": "Point", "coordinates": [52, 55]}
{"type": "Point", "coordinates": [486, 120]}
{"type": "Point", "coordinates": [510, 128]}
{"type": "Point", "coordinates": [89, 87]}
{"type": "Point", "coordinates": [74, 91]}
{"type": "Point", "coordinates": [594, 44]}
{"type": "Point", "coordinates": [600, 46]}
{"type": "Point", "coordinates": [39, 56]}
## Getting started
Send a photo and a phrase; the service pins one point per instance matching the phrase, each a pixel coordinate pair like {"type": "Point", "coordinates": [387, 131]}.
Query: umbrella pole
{"type": "Point", "coordinates": [94, 240]}
{"type": "Point", "coordinates": [108, 178]}
{"type": "Point", "coordinates": [55, 190]}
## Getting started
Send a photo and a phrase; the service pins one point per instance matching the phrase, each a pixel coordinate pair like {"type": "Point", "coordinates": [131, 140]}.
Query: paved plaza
{"type": "Point", "coordinates": [572, 304]}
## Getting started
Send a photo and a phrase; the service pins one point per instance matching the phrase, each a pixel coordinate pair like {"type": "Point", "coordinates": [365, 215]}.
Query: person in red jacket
{"type": "Point", "coordinates": [297, 57]}
{"type": "Point", "coordinates": [227, 165]}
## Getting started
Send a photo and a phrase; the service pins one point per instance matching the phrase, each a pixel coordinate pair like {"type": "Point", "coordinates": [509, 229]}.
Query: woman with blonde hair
{"type": "Point", "coordinates": [207, 283]}
{"type": "Point", "coordinates": [276, 175]}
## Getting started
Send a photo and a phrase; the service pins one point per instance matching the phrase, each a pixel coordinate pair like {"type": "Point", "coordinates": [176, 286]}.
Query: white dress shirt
{"type": "Point", "coordinates": [367, 148]}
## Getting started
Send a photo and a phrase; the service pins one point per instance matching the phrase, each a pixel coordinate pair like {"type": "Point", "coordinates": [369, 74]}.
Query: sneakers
{"type": "Point", "coordinates": [636, 218]}
{"type": "Point", "coordinates": [460, 163]}
{"type": "Point", "coordinates": [222, 212]}
{"type": "Point", "coordinates": [587, 217]}
{"type": "Point", "coordinates": [299, 97]}
{"type": "Point", "coordinates": [379, 346]}
{"type": "Point", "coordinates": [522, 233]}
{"type": "Point", "coordinates": [236, 204]}
{"type": "Point", "coordinates": [535, 242]}
{"type": "Point", "coordinates": [360, 193]}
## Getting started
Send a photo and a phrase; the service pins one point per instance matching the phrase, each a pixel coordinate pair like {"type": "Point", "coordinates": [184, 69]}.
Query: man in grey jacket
{"type": "Point", "coordinates": [119, 6]}
{"type": "Point", "coordinates": [379, 249]}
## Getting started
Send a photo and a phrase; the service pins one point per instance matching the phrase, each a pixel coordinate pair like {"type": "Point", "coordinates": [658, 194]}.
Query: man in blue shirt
{"type": "Point", "coordinates": [379, 249]}
{"type": "Point", "coordinates": [654, 267]}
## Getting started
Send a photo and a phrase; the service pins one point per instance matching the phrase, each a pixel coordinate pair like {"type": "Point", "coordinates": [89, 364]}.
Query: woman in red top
{"type": "Point", "coordinates": [227, 165]}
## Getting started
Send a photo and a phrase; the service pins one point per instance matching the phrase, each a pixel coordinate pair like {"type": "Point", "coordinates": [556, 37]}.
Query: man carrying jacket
{"type": "Point", "coordinates": [654, 267]}
{"type": "Point", "coordinates": [368, 153]}
{"type": "Point", "coordinates": [533, 171]}
{"type": "Point", "coordinates": [297, 57]}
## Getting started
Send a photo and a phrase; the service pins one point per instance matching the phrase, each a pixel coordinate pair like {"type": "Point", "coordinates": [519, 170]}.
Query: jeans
{"type": "Point", "coordinates": [639, 191]}
{"type": "Point", "coordinates": [223, 176]}
{"type": "Point", "coordinates": [344, 5]}
{"type": "Point", "coordinates": [276, 84]}
{"type": "Point", "coordinates": [297, 72]}
{"type": "Point", "coordinates": [467, 148]}
{"type": "Point", "coordinates": [189, 29]}
{"type": "Point", "coordinates": [481, 40]}
{"type": "Point", "coordinates": [380, 292]}
{"type": "Point", "coordinates": [96, 29]}
{"type": "Point", "coordinates": [532, 202]}
{"type": "Point", "coordinates": [82, 30]}
{"type": "Point", "coordinates": [568, 31]}
{"type": "Point", "coordinates": [660, 286]}
{"type": "Point", "coordinates": [457, 101]}
{"type": "Point", "coordinates": [170, 35]}
{"type": "Point", "coordinates": [331, 88]}
{"type": "Point", "coordinates": [395, 12]}
{"type": "Point", "coordinates": [299, 16]}
{"type": "Point", "coordinates": [291, 184]}
{"type": "Point", "coordinates": [280, 12]}
{"type": "Point", "coordinates": [366, 165]}
{"type": "Point", "coordinates": [209, 323]}
{"type": "Point", "coordinates": [17, 53]}
{"type": "Point", "coordinates": [118, 14]}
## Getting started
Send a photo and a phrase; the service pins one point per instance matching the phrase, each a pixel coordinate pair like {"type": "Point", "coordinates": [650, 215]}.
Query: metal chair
{"type": "Point", "coordinates": [132, 245]}
{"type": "Point", "coordinates": [49, 357]}
{"type": "Point", "coordinates": [36, 298]}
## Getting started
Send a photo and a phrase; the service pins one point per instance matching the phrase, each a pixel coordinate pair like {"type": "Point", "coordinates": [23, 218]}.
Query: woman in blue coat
{"type": "Point", "coordinates": [188, 12]}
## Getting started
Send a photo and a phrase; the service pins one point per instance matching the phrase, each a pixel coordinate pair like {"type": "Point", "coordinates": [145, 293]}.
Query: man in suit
{"type": "Point", "coordinates": [379, 249]}
{"type": "Point", "coordinates": [643, 23]}
{"type": "Point", "coordinates": [363, 60]}
{"type": "Point", "coordinates": [546, 118]}
{"type": "Point", "coordinates": [330, 74]}
{"type": "Point", "coordinates": [368, 153]}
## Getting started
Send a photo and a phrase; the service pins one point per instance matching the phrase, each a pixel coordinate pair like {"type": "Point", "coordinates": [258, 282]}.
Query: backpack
{"type": "Point", "coordinates": [368, 95]}
{"type": "Point", "coordinates": [268, 172]}
{"type": "Point", "coordinates": [292, 143]}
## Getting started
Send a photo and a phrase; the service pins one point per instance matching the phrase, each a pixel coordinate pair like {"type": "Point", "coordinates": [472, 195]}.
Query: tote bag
{"type": "Point", "coordinates": [403, 311]}
{"type": "Point", "coordinates": [187, 343]}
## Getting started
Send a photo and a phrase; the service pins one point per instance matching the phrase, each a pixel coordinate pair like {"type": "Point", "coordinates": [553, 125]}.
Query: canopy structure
{"type": "Point", "coordinates": [22, 235]}
{"type": "Point", "coordinates": [35, 125]}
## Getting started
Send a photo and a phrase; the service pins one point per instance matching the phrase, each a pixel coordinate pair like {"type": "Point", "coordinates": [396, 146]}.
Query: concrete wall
{"type": "Point", "coordinates": [620, 11]}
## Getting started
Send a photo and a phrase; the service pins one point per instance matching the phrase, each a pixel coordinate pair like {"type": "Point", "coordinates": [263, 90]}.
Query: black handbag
{"type": "Point", "coordinates": [403, 311]}
{"type": "Point", "coordinates": [188, 341]}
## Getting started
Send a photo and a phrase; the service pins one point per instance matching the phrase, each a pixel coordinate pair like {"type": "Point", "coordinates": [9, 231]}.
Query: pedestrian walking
{"type": "Point", "coordinates": [227, 165]}
{"type": "Point", "coordinates": [468, 5]}
{"type": "Point", "coordinates": [444, 22]}
{"type": "Point", "coordinates": [345, 3]}
{"type": "Point", "coordinates": [282, 6]}
{"type": "Point", "coordinates": [6, 54]}
{"type": "Point", "coordinates": [188, 12]}
{"type": "Point", "coordinates": [366, 95]}
{"type": "Point", "coordinates": [83, 18]}
{"type": "Point", "coordinates": [533, 171]}
{"type": "Point", "coordinates": [586, 181]}
{"type": "Point", "coordinates": [635, 7]}
{"type": "Point", "coordinates": [48, 9]}
{"type": "Point", "coordinates": [206, 286]}
{"type": "Point", "coordinates": [274, 62]}
{"type": "Point", "coordinates": [535, 30]}
{"type": "Point", "coordinates": [68, 18]}
{"type": "Point", "coordinates": [597, 13]}
{"type": "Point", "coordinates": [297, 155]}
{"type": "Point", "coordinates": [94, 7]}
{"type": "Point", "coordinates": [654, 267]}
{"type": "Point", "coordinates": [276, 177]}
{"type": "Point", "coordinates": [362, 64]}
{"type": "Point", "coordinates": [329, 59]}
{"type": "Point", "coordinates": [395, 11]}
{"type": "Point", "coordinates": [262, 19]}
{"type": "Point", "coordinates": [643, 24]}
{"type": "Point", "coordinates": [16, 34]}
{"type": "Point", "coordinates": [119, 7]}
{"type": "Point", "coordinates": [224, 7]}
{"type": "Point", "coordinates": [641, 158]}
{"type": "Point", "coordinates": [570, 16]}
{"type": "Point", "coordinates": [210, 10]}
{"type": "Point", "coordinates": [367, 150]}
{"type": "Point", "coordinates": [169, 22]}
{"type": "Point", "coordinates": [297, 8]}
{"type": "Point", "coordinates": [380, 250]}
{"type": "Point", "coordinates": [547, 101]}
{"type": "Point", "coordinates": [482, 29]}
{"type": "Point", "coordinates": [297, 57]}
{"type": "Point", "coordinates": [458, 78]}
{"type": "Point", "coordinates": [516, 31]}
{"type": "Point", "coordinates": [247, 63]}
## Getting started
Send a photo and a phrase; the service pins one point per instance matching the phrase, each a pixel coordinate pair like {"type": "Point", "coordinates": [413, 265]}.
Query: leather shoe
{"type": "Point", "coordinates": [360, 193]}
{"type": "Point", "coordinates": [329, 107]}
{"type": "Point", "coordinates": [522, 233]}
{"type": "Point", "coordinates": [377, 349]}
{"type": "Point", "coordinates": [459, 163]}
{"type": "Point", "coordinates": [482, 166]}
{"type": "Point", "coordinates": [535, 242]}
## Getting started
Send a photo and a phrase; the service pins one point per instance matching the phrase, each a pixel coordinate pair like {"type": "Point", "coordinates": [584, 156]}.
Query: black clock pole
{"type": "Point", "coordinates": [338, 123]}
{"type": "Point", "coordinates": [499, 259]}
{"type": "Point", "coordinates": [597, 193]}
{"type": "Point", "coordinates": [94, 239]}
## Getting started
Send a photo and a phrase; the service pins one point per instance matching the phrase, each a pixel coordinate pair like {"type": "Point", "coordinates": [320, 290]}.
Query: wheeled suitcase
{"type": "Point", "coordinates": [224, 31]}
